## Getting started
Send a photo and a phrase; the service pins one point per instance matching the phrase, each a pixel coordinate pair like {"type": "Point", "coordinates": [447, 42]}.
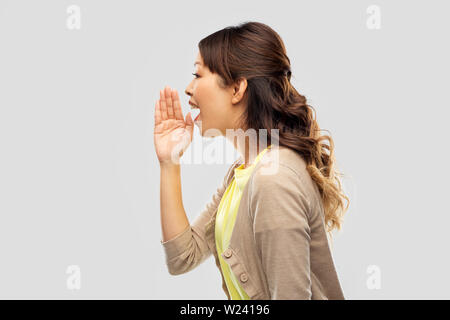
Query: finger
{"type": "Point", "coordinates": [177, 105]}
{"type": "Point", "coordinates": [163, 105]}
{"type": "Point", "coordinates": [170, 114]}
{"type": "Point", "coordinates": [157, 113]}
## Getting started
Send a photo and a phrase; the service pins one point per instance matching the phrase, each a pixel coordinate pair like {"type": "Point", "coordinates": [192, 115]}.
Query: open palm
{"type": "Point", "coordinates": [172, 134]}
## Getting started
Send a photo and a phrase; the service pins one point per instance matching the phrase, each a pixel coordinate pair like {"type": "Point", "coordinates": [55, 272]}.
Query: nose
{"type": "Point", "coordinates": [188, 89]}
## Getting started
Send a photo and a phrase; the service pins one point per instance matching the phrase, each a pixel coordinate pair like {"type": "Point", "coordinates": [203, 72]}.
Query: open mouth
{"type": "Point", "coordinates": [195, 113]}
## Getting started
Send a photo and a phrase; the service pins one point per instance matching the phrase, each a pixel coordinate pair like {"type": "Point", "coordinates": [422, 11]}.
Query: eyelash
{"type": "Point", "coordinates": [196, 75]}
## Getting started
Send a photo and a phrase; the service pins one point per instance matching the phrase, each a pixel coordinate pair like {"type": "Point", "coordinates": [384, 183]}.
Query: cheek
{"type": "Point", "coordinates": [213, 109]}
{"type": "Point", "coordinates": [211, 100]}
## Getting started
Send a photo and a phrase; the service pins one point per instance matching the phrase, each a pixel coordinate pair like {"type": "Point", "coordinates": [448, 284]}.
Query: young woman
{"type": "Point", "coordinates": [267, 229]}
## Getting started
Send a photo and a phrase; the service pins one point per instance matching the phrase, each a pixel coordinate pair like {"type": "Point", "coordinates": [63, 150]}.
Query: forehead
{"type": "Point", "coordinates": [198, 60]}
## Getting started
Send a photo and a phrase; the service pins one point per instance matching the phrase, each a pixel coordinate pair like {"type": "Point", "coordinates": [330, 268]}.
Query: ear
{"type": "Point", "coordinates": [239, 89]}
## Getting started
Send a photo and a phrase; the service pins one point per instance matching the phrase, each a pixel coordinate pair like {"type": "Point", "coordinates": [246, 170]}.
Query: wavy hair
{"type": "Point", "coordinates": [254, 51]}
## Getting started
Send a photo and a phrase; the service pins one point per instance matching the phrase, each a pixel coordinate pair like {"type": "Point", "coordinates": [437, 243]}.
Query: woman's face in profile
{"type": "Point", "coordinates": [217, 113]}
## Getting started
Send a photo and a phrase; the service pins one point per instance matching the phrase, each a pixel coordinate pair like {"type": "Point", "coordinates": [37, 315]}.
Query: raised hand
{"type": "Point", "coordinates": [172, 134]}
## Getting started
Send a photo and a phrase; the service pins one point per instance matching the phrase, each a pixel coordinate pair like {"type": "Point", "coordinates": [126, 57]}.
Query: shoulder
{"type": "Point", "coordinates": [278, 198]}
{"type": "Point", "coordinates": [279, 163]}
{"type": "Point", "coordinates": [281, 174]}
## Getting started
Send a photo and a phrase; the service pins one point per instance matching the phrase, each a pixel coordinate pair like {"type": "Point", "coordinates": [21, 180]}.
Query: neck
{"type": "Point", "coordinates": [248, 146]}
{"type": "Point", "coordinates": [249, 151]}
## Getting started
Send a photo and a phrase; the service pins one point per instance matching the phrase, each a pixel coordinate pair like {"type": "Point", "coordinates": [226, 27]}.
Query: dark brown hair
{"type": "Point", "coordinates": [254, 51]}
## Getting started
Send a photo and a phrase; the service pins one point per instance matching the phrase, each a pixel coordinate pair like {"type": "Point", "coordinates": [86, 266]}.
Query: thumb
{"type": "Point", "coordinates": [189, 124]}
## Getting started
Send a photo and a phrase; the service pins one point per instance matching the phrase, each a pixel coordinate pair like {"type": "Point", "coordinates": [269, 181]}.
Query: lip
{"type": "Point", "coordinates": [193, 104]}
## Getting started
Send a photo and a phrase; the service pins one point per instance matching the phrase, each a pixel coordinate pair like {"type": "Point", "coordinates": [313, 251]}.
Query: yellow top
{"type": "Point", "coordinates": [225, 218]}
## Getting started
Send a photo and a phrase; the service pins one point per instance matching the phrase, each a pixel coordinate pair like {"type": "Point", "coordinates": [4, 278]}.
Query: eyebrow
{"type": "Point", "coordinates": [197, 62]}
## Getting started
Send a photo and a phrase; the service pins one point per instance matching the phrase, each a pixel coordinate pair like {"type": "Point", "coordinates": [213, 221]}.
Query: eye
{"type": "Point", "coordinates": [196, 75]}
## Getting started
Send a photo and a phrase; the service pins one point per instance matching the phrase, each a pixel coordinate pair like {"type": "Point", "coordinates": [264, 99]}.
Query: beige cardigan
{"type": "Point", "coordinates": [279, 248]}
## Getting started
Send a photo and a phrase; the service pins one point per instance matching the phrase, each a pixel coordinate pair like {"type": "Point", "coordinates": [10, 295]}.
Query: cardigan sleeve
{"type": "Point", "coordinates": [280, 209]}
{"type": "Point", "coordinates": [188, 249]}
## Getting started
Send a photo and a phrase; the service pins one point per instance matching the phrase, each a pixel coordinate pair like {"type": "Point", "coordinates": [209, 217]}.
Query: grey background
{"type": "Point", "coordinates": [79, 177]}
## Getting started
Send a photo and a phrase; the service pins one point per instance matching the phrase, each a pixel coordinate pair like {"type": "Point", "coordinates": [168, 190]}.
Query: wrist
{"type": "Point", "coordinates": [169, 164]}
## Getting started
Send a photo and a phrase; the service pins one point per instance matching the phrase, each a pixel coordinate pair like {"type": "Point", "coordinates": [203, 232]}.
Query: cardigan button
{"type": "Point", "coordinates": [227, 253]}
{"type": "Point", "coordinates": [244, 277]}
